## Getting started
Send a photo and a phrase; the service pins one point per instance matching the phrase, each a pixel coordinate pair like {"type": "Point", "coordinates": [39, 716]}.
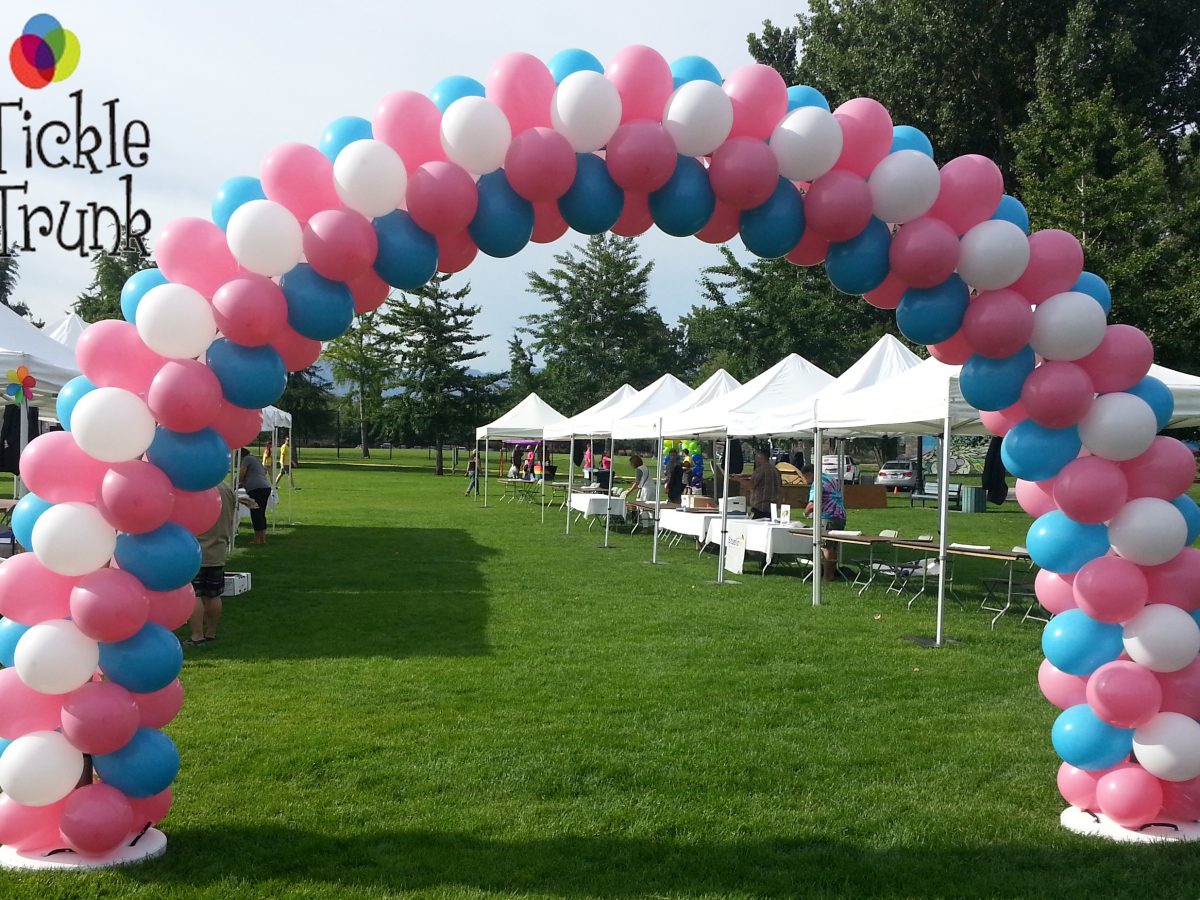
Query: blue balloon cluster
{"type": "Point", "coordinates": [683, 205]}
{"type": "Point", "coordinates": [194, 461]}
{"type": "Point", "coordinates": [1035, 453]}
{"type": "Point", "coordinates": [10, 633]}
{"type": "Point", "coordinates": [503, 222]}
{"type": "Point", "coordinates": [135, 288]}
{"type": "Point", "coordinates": [568, 62]}
{"type": "Point", "coordinates": [146, 662]}
{"type": "Point", "coordinates": [340, 133]}
{"type": "Point", "coordinates": [1086, 741]}
{"type": "Point", "coordinates": [143, 767]}
{"type": "Point", "coordinates": [163, 559]}
{"type": "Point", "coordinates": [906, 137]}
{"type": "Point", "coordinates": [454, 87]}
{"type": "Point", "coordinates": [407, 256]}
{"type": "Point", "coordinates": [235, 192]}
{"type": "Point", "coordinates": [861, 263]}
{"type": "Point", "coordinates": [318, 308]}
{"type": "Point", "coordinates": [802, 95]}
{"type": "Point", "coordinates": [775, 227]}
{"type": "Point", "coordinates": [1060, 544]}
{"type": "Point", "coordinates": [593, 202]}
{"type": "Point", "coordinates": [24, 516]}
{"type": "Point", "coordinates": [932, 315]}
{"type": "Point", "coordinates": [251, 377]}
{"type": "Point", "coordinates": [992, 384]}
{"type": "Point", "coordinates": [694, 68]}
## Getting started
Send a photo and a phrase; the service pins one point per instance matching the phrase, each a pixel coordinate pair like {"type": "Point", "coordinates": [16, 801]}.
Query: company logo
{"type": "Point", "coordinates": [44, 53]}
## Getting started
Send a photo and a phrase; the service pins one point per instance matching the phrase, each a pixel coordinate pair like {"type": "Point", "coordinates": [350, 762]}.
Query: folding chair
{"type": "Point", "coordinates": [868, 570]}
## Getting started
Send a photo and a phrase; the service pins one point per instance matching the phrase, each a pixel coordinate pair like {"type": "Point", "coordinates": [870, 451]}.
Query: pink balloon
{"type": "Point", "coordinates": [1110, 589]}
{"type": "Point", "coordinates": [1121, 361]}
{"type": "Point", "coordinates": [369, 290]}
{"type": "Point", "coordinates": [641, 156]}
{"type": "Point", "coordinates": [743, 172]}
{"type": "Point", "coordinates": [1055, 264]}
{"type": "Point", "coordinates": [31, 593]}
{"type": "Point", "coordinates": [442, 197]}
{"type": "Point", "coordinates": [971, 190]}
{"type": "Point", "coordinates": [954, 351]}
{"type": "Point", "coordinates": [1090, 489]}
{"type": "Point", "coordinates": [197, 511]}
{"type": "Point", "coordinates": [1057, 394]}
{"type": "Point", "coordinates": [109, 605]}
{"type": "Point", "coordinates": [249, 309]}
{"type": "Point", "coordinates": [171, 609]}
{"type": "Point", "coordinates": [100, 717]}
{"type": "Point", "coordinates": [759, 97]}
{"type": "Point", "coordinates": [1036, 497]}
{"type": "Point", "coordinates": [548, 223]}
{"type": "Point", "coordinates": [300, 177]}
{"type": "Point", "coordinates": [340, 244]}
{"type": "Point", "coordinates": [1181, 800]}
{"type": "Point", "coordinates": [635, 216]}
{"type": "Point", "coordinates": [644, 81]}
{"type": "Point", "coordinates": [158, 708]}
{"type": "Point", "coordinates": [1129, 796]}
{"type": "Point", "coordinates": [24, 710]}
{"type": "Point", "coordinates": [96, 819]}
{"type": "Point", "coordinates": [811, 251]}
{"type": "Point", "coordinates": [55, 469]}
{"type": "Point", "coordinates": [838, 206]}
{"type": "Point", "coordinates": [456, 251]}
{"type": "Point", "coordinates": [998, 323]}
{"type": "Point", "coordinates": [1166, 470]}
{"type": "Point", "coordinates": [924, 252]}
{"type": "Point", "coordinates": [1078, 786]}
{"type": "Point", "coordinates": [866, 135]}
{"type": "Point", "coordinates": [411, 124]}
{"type": "Point", "coordinates": [540, 165]}
{"type": "Point", "coordinates": [1177, 581]}
{"type": "Point", "coordinates": [1054, 591]}
{"type": "Point", "coordinates": [1059, 688]}
{"type": "Point", "coordinates": [297, 351]}
{"type": "Point", "coordinates": [723, 225]}
{"type": "Point", "coordinates": [522, 86]}
{"type": "Point", "coordinates": [1000, 421]}
{"type": "Point", "coordinates": [239, 426]}
{"type": "Point", "coordinates": [111, 354]}
{"type": "Point", "coordinates": [30, 828]}
{"type": "Point", "coordinates": [1124, 694]}
{"type": "Point", "coordinates": [193, 251]}
{"type": "Point", "coordinates": [150, 810]}
{"type": "Point", "coordinates": [185, 395]}
{"type": "Point", "coordinates": [1181, 690]}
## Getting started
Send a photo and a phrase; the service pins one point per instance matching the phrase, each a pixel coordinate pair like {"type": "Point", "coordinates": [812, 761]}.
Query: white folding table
{"type": "Point", "coordinates": [766, 537]}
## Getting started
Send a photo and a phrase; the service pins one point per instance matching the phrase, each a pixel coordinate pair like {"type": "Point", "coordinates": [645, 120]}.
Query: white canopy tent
{"type": "Point", "coordinates": [529, 419]}
{"type": "Point", "coordinates": [24, 344]}
{"type": "Point", "coordinates": [275, 418]}
{"type": "Point", "coordinates": [67, 331]}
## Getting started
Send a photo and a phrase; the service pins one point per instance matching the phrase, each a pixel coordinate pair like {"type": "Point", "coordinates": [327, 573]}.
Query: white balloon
{"type": "Point", "coordinates": [176, 321]}
{"type": "Point", "coordinates": [993, 255]}
{"type": "Point", "coordinates": [586, 110]}
{"type": "Point", "coordinates": [698, 117]}
{"type": "Point", "coordinates": [55, 657]}
{"type": "Point", "coordinates": [476, 134]}
{"type": "Point", "coordinates": [1168, 746]}
{"type": "Point", "coordinates": [1161, 637]}
{"type": "Point", "coordinates": [904, 186]}
{"type": "Point", "coordinates": [1067, 326]}
{"type": "Point", "coordinates": [40, 768]}
{"type": "Point", "coordinates": [112, 425]}
{"type": "Point", "coordinates": [264, 237]}
{"type": "Point", "coordinates": [1148, 531]}
{"type": "Point", "coordinates": [807, 143]}
{"type": "Point", "coordinates": [370, 177]}
{"type": "Point", "coordinates": [1118, 426]}
{"type": "Point", "coordinates": [73, 539]}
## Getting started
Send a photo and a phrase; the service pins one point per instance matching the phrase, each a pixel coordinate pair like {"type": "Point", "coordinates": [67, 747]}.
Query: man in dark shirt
{"type": "Point", "coordinates": [766, 486]}
{"type": "Point", "coordinates": [674, 476]}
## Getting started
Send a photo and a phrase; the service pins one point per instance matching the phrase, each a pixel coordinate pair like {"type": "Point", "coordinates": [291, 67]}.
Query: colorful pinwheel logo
{"type": "Point", "coordinates": [44, 53]}
{"type": "Point", "coordinates": [20, 383]}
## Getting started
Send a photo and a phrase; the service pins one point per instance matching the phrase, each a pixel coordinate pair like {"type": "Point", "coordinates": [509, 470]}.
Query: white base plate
{"type": "Point", "coordinates": [1099, 825]}
{"type": "Point", "coordinates": [152, 845]}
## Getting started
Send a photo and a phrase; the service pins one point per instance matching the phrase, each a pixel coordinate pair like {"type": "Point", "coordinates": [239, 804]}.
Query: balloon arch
{"type": "Point", "coordinates": [289, 258]}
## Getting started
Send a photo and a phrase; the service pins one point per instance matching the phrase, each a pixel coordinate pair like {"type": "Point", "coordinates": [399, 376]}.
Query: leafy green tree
{"type": "Point", "coordinates": [10, 275]}
{"type": "Point", "coordinates": [309, 400]}
{"type": "Point", "coordinates": [102, 299]}
{"type": "Point", "coordinates": [364, 360]}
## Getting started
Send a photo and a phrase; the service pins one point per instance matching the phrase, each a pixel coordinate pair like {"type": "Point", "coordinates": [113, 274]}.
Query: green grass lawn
{"type": "Point", "coordinates": [424, 698]}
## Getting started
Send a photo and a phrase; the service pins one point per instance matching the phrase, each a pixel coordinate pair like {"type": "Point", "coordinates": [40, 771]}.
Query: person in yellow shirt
{"type": "Point", "coordinates": [285, 464]}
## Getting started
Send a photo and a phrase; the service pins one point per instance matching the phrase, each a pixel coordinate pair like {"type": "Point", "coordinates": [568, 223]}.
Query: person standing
{"type": "Point", "coordinates": [268, 454]}
{"type": "Point", "coordinates": [473, 474]}
{"type": "Point", "coordinates": [833, 513]}
{"type": "Point", "coordinates": [253, 477]}
{"type": "Point", "coordinates": [587, 464]}
{"type": "Point", "coordinates": [766, 486]}
{"type": "Point", "coordinates": [209, 583]}
{"type": "Point", "coordinates": [285, 464]}
{"type": "Point", "coordinates": [674, 478]}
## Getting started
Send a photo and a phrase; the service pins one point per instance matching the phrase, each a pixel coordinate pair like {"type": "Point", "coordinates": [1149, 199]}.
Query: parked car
{"type": "Point", "coordinates": [898, 473]}
{"type": "Point", "coordinates": [829, 465]}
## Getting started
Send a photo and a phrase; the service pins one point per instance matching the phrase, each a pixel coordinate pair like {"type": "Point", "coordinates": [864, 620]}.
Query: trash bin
{"type": "Point", "coordinates": [974, 499]}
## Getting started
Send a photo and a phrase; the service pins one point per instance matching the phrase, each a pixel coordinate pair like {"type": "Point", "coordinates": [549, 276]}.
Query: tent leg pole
{"type": "Point", "coordinates": [818, 556]}
{"type": "Point", "coordinates": [570, 482]}
{"type": "Point", "coordinates": [943, 521]}
{"type": "Point", "coordinates": [608, 500]}
{"type": "Point", "coordinates": [724, 514]}
{"type": "Point", "coordinates": [486, 467]}
{"type": "Point", "coordinates": [657, 496]}
{"type": "Point", "coordinates": [543, 502]}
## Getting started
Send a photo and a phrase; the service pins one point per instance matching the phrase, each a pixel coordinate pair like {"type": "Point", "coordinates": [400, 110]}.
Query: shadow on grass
{"type": "Point", "coordinates": [575, 866]}
{"type": "Point", "coordinates": [326, 592]}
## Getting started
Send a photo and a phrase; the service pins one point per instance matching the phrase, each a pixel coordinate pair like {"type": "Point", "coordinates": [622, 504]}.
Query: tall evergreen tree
{"type": "Point", "coordinates": [102, 299]}
{"type": "Point", "coordinates": [522, 380]}
{"type": "Point", "coordinates": [364, 359]}
{"type": "Point", "coordinates": [10, 276]}
{"type": "Point", "coordinates": [310, 402]}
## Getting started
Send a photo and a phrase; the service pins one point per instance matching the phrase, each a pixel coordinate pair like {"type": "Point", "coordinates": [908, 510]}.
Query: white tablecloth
{"type": "Point", "coordinates": [679, 521]}
{"type": "Point", "coordinates": [764, 537]}
{"type": "Point", "coordinates": [590, 505]}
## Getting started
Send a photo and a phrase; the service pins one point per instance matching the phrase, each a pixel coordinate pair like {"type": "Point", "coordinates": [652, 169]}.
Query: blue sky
{"type": "Point", "coordinates": [220, 83]}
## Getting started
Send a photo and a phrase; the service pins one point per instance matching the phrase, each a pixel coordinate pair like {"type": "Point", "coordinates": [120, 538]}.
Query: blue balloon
{"type": "Point", "coordinates": [148, 661]}
{"type": "Point", "coordinates": [1012, 210]}
{"type": "Point", "coordinates": [1077, 644]}
{"type": "Point", "coordinates": [568, 62]}
{"type": "Point", "coordinates": [775, 227]}
{"type": "Point", "coordinates": [1191, 515]}
{"type": "Point", "coordinates": [194, 461]}
{"type": "Point", "coordinates": [503, 222]}
{"type": "Point", "coordinates": [454, 87]}
{"type": "Point", "coordinates": [163, 559]}
{"type": "Point", "coordinates": [906, 137]}
{"type": "Point", "coordinates": [408, 255]}
{"type": "Point", "coordinates": [1060, 544]}
{"type": "Point", "coordinates": [235, 192]}
{"type": "Point", "coordinates": [992, 384]}
{"type": "Point", "coordinates": [251, 377]}
{"type": "Point", "coordinates": [1157, 396]}
{"type": "Point", "coordinates": [318, 308]}
{"type": "Point", "coordinates": [694, 68]}
{"type": "Point", "coordinates": [1094, 286]}
{"type": "Point", "coordinates": [683, 205]}
{"type": "Point", "coordinates": [27, 511]}
{"type": "Point", "coordinates": [135, 288]}
{"type": "Point", "coordinates": [861, 263]}
{"type": "Point", "coordinates": [932, 315]}
{"type": "Point", "coordinates": [1035, 453]}
{"type": "Point", "coordinates": [142, 768]}
{"type": "Point", "coordinates": [1086, 741]}
{"type": "Point", "coordinates": [1195, 614]}
{"type": "Point", "coordinates": [10, 633]}
{"type": "Point", "coordinates": [342, 132]}
{"type": "Point", "coordinates": [802, 95]}
{"type": "Point", "coordinates": [70, 394]}
{"type": "Point", "coordinates": [4, 742]}
{"type": "Point", "coordinates": [594, 202]}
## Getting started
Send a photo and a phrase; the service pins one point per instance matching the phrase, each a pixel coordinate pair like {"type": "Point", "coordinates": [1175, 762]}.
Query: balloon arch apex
{"type": "Point", "coordinates": [430, 181]}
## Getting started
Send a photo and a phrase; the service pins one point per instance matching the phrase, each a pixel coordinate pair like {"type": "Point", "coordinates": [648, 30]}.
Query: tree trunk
{"type": "Point", "coordinates": [362, 421]}
{"type": "Point", "coordinates": [439, 468]}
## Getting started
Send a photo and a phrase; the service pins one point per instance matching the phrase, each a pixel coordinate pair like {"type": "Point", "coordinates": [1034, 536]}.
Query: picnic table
{"type": "Point", "coordinates": [649, 507]}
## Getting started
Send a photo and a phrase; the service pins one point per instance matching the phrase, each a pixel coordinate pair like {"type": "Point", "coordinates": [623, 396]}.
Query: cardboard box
{"type": "Point", "coordinates": [236, 583]}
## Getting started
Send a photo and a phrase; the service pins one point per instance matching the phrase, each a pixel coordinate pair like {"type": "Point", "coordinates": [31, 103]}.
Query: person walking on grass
{"type": "Point", "coordinates": [253, 477]}
{"type": "Point", "coordinates": [285, 464]}
{"type": "Point", "coordinates": [209, 582]}
{"type": "Point", "coordinates": [473, 474]}
{"type": "Point", "coordinates": [833, 513]}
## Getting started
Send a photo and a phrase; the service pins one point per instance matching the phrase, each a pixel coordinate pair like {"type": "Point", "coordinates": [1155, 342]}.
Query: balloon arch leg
{"type": "Point", "coordinates": [290, 257]}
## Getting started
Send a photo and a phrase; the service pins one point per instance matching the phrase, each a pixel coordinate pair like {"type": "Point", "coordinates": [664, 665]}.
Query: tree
{"type": "Point", "coordinates": [441, 397]}
{"type": "Point", "coordinates": [601, 331]}
{"type": "Point", "coordinates": [10, 275]}
{"type": "Point", "coordinates": [102, 299]}
{"type": "Point", "coordinates": [522, 379]}
{"type": "Point", "coordinates": [364, 359]}
{"type": "Point", "coordinates": [310, 402]}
